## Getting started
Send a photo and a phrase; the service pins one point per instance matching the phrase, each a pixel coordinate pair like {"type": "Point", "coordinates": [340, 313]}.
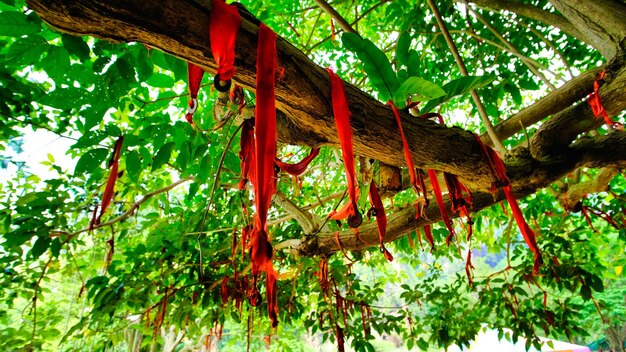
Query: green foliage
{"type": "Point", "coordinates": [64, 287]}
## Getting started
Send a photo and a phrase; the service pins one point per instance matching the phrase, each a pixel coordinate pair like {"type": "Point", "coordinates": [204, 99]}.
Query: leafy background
{"type": "Point", "coordinates": [105, 289]}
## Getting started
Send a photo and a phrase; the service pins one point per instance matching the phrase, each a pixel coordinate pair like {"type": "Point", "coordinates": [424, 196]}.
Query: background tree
{"type": "Point", "coordinates": [165, 267]}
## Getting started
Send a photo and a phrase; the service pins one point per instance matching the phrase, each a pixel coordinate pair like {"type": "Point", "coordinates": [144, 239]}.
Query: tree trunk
{"type": "Point", "coordinates": [602, 22]}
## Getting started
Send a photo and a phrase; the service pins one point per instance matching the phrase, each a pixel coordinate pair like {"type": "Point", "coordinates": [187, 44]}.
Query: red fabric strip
{"type": "Point", "coordinates": [107, 196]}
{"type": "Point", "coordinates": [265, 151]}
{"type": "Point", "coordinates": [378, 210]}
{"type": "Point", "coordinates": [298, 168]}
{"type": "Point", "coordinates": [194, 77]}
{"type": "Point", "coordinates": [342, 121]}
{"type": "Point", "coordinates": [432, 174]}
{"type": "Point", "coordinates": [460, 202]}
{"type": "Point", "coordinates": [502, 180]}
{"type": "Point", "coordinates": [596, 103]}
{"type": "Point", "coordinates": [469, 267]}
{"type": "Point", "coordinates": [246, 153]}
{"type": "Point", "coordinates": [407, 150]}
{"type": "Point", "coordinates": [224, 23]}
{"type": "Point", "coordinates": [428, 233]}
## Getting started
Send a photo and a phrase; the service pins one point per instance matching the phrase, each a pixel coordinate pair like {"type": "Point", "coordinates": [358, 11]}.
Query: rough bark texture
{"type": "Point", "coordinates": [180, 27]}
{"type": "Point", "coordinates": [604, 22]}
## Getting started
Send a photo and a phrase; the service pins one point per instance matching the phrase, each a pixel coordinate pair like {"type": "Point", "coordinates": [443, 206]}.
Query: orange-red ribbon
{"type": "Point", "coordinates": [110, 186]}
{"type": "Point", "coordinates": [298, 168]}
{"type": "Point", "coordinates": [265, 151]}
{"type": "Point", "coordinates": [407, 151]}
{"type": "Point", "coordinates": [378, 210]}
{"type": "Point", "coordinates": [194, 77]}
{"type": "Point", "coordinates": [432, 174]}
{"type": "Point", "coordinates": [224, 23]}
{"type": "Point", "coordinates": [596, 103]}
{"type": "Point", "coordinates": [498, 169]}
{"type": "Point", "coordinates": [342, 120]}
{"type": "Point", "coordinates": [246, 153]}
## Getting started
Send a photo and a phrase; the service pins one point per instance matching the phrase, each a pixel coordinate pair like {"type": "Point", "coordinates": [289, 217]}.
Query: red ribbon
{"type": "Point", "coordinates": [194, 77]}
{"type": "Point", "coordinates": [498, 169]}
{"type": "Point", "coordinates": [469, 267]}
{"type": "Point", "coordinates": [378, 210]}
{"type": "Point", "coordinates": [428, 233]}
{"type": "Point", "coordinates": [298, 168]}
{"type": "Point", "coordinates": [224, 23]}
{"type": "Point", "coordinates": [596, 103]}
{"type": "Point", "coordinates": [265, 151]}
{"type": "Point", "coordinates": [459, 202]}
{"type": "Point", "coordinates": [432, 174]}
{"type": "Point", "coordinates": [246, 152]}
{"type": "Point", "coordinates": [110, 186]}
{"type": "Point", "coordinates": [342, 120]}
{"type": "Point", "coordinates": [407, 151]}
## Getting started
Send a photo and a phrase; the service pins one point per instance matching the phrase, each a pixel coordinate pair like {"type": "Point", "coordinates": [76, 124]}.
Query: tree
{"type": "Point", "coordinates": [166, 253]}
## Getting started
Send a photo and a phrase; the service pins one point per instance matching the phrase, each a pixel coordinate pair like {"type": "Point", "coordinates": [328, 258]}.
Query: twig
{"type": "Point", "coordinates": [125, 214]}
{"type": "Point", "coordinates": [210, 201]}
{"type": "Point", "coordinates": [508, 44]}
{"type": "Point", "coordinates": [336, 16]}
{"type": "Point", "coordinates": [459, 61]}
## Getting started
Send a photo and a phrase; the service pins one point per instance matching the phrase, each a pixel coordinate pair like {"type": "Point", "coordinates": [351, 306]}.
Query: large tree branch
{"type": "Point", "coordinates": [528, 176]}
{"type": "Point", "coordinates": [180, 28]}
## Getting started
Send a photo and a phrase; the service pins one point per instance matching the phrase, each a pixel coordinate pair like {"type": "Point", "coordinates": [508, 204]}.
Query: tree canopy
{"type": "Point", "coordinates": [166, 265]}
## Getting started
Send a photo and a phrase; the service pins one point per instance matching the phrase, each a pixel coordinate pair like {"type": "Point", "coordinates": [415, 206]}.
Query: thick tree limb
{"type": "Point", "coordinates": [305, 118]}
{"type": "Point", "coordinates": [599, 183]}
{"type": "Point", "coordinates": [552, 103]}
{"type": "Point", "coordinates": [529, 175]}
{"type": "Point", "coordinates": [603, 19]}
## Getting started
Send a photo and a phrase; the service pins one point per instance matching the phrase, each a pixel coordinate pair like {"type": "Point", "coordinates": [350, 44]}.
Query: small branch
{"type": "Point", "coordinates": [459, 61]}
{"type": "Point", "coordinates": [508, 44]}
{"type": "Point", "coordinates": [127, 213]}
{"type": "Point", "coordinates": [304, 218]}
{"type": "Point", "coordinates": [336, 16]}
{"type": "Point", "coordinates": [563, 97]}
{"type": "Point", "coordinates": [599, 183]}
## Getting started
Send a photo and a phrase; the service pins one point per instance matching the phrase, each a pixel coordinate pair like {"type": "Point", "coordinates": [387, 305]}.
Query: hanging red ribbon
{"type": "Point", "coordinates": [432, 174]}
{"type": "Point", "coordinates": [194, 77]}
{"type": "Point", "coordinates": [246, 153]}
{"type": "Point", "coordinates": [110, 186]}
{"type": "Point", "coordinates": [428, 233]}
{"type": "Point", "coordinates": [596, 103]}
{"type": "Point", "coordinates": [460, 202]}
{"type": "Point", "coordinates": [469, 267]}
{"type": "Point", "coordinates": [342, 120]}
{"type": "Point", "coordinates": [378, 210]}
{"type": "Point", "coordinates": [407, 151]}
{"type": "Point", "coordinates": [298, 168]}
{"type": "Point", "coordinates": [498, 169]}
{"type": "Point", "coordinates": [224, 23]}
{"type": "Point", "coordinates": [265, 151]}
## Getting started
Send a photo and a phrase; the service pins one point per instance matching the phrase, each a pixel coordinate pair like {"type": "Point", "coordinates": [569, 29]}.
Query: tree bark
{"type": "Point", "coordinates": [604, 22]}
{"type": "Point", "coordinates": [303, 98]}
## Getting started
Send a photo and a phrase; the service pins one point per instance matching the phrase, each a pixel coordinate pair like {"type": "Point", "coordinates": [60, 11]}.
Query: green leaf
{"type": "Point", "coordinates": [90, 160]}
{"type": "Point", "coordinates": [127, 72]}
{"type": "Point", "coordinates": [163, 155]}
{"type": "Point", "coordinates": [402, 49]}
{"type": "Point", "coordinates": [205, 167]}
{"type": "Point", "coordinates": [375, 64]}
{"type": "Point", "coordinates": [160, 80]}
{"type": "Point", "coordinates": [458, 87]}
{"type": "Point", "coordinates": [419, 88]}
{"type": "Point", "coordinates": [17, 24]}
{"type": "Point", "coordinates": [133, 165]}
{"type": "Point", "coordinates": [40, 246]}
{"type": "Point", "coordinates": [76, 46]}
